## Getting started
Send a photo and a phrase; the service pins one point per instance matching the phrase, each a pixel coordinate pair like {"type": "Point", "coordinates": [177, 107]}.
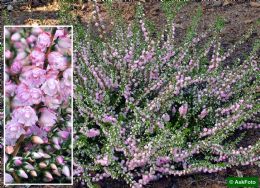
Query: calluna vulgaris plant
{"type": "Point", "coordinates": [38, 89]}
{"type": "Point", "coordinates": [148, 107]}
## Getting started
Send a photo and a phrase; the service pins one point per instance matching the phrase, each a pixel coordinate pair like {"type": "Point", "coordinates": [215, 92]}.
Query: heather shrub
{"type": "Point", "coordinates": [148, 106]}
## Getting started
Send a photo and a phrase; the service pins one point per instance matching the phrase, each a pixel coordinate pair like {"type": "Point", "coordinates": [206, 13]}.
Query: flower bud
{"type": "Point", "coordinates": [17, 161]}
{"type": "Point", "coordinates": [8, 54]}
{"type": "Point", "coordinates": [68, 124]}
{"type": "Point", "coordinates": [68, 110]}
{"type": "Point", "coordinates": [36, 155]}
{"type": "Point", "coordinates": [60, 160]}
{"type": "Point", "coordinates": [64, 42]}
{"type": "Point", "coordinates": [64, 134]}
{"type": "Point", "coordinates": [55, 140]}
{"type": "Point", "coordinates": [37, 140]}
{"type": "Point", "coordinates": [42, 165]}
{"type": "Point", "coordinates": [28, 166]}
{"type": "Point", "coordinates": [56, 172]}
{"type": "Point", "coordinates": [48, 176]}
{"type": "Point", "coordinates": [8, 178]}
{"type": "Point", "coordinates": [66, 171]}
{"type": "Point", "coordinates": [53, 166]}
{"type": "Point", "coordinates": [166, 117]}
{"type": "Point", "coordinates": [9, 149]}
{"type": "Point", "coordinates": [46, 156]}
{"type": "Point", "coordinates": [43, 41]}
{"type": "Point", "coordinates": [33, 173]}
{"type": "Point", "coordinates": [57, 147]}
{"type": "Point", "coordinates": [22, 174]}
{"type": "Point", "coordinates": [40, 152]}
{"type": "Point", "coordinates": [16, 37]}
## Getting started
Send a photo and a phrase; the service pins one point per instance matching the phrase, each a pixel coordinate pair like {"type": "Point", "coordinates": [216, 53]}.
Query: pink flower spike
{"type": "Point", "coordinates": [203, 113]}
{"type": "Point", "coordinates": [21, 55]}
{"type": "Point", "coordinates": [166, 117]}
{"type": "Point", "coordinates": [92, 133]}
{"type": "Point", "coordinates": [109, 119]}
{"type": "Point", "coordinates": [183, 110]}
{"type": "Point", "coordinates": [37, 30]}
{"type": "Point", "coordinates": [104, 161]}
{"type": "Point", "coordinates": [36, 95]}
{"type": "Point", "coordinates": [56, 140]}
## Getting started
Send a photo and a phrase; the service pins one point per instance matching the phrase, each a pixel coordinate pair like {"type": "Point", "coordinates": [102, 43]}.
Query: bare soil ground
{"type": "Point", "coordinates": [238, 16]}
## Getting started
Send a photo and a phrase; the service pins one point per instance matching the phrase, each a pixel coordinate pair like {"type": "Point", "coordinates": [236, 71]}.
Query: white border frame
{"type": "Point", "coordinates": [72, 128]}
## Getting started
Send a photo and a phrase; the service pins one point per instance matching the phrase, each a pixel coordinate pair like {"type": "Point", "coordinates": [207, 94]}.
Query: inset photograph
{"type": "Point", "coordinates": [38, 105]}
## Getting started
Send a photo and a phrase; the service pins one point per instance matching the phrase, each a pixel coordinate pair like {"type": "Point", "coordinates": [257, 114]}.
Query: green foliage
{"type": "Point", "coordinates": [7, 20]}
{"type": "Point", "coordinates": [219, 24]}
{"type": "Point", "coordinates": [171, 8]}
{"type": "Point", "coordinates": [192, 29]}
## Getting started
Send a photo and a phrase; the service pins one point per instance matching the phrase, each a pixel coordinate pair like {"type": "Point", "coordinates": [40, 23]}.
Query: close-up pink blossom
{"type": "Point", "coordinates": [23, 96]}
{"type": "Point", "coordinates": [16, 67]}
{"type": "Point", "coordinates": [14, 130]}
{"type": "Point", "coordinates": [47, 118]}
{"type": "Point", "coordinates": [64, 42]}
{"type": "Point", "coordinates": [10, 88]}
{"type": "Point", "coordinates": [52, 102]}
{"type": "Point", "coordinates": [37, 57]}
{"type": "Point", "coordinates": [33, 76]}
{"type": "Point", "coordinates": [43, 41]}
{"type": "Point", "coordinates": [51, 87]}
{"type": "Point", "coordinates": [38, 91]}
{"type": "Point", "coordinates": [25, 115]}
{"type": "Point", "coordinates": [57, 61]}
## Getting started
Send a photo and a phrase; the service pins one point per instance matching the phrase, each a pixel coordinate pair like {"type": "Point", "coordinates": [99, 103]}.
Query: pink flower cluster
{"type": "Point", "coordinates": [38, 83]}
